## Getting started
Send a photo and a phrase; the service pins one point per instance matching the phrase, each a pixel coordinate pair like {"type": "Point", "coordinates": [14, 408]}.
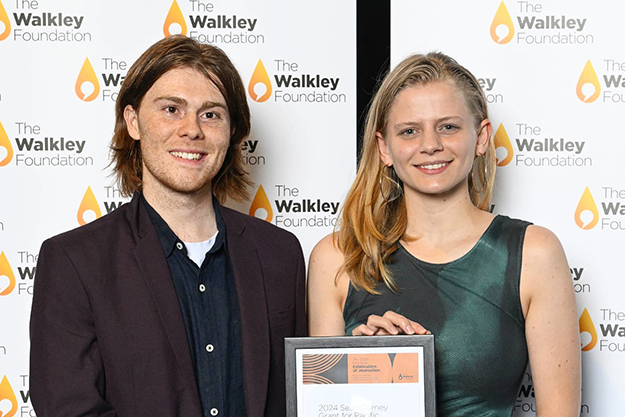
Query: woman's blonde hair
{"type": "Point", "coordinates": [371, 222]}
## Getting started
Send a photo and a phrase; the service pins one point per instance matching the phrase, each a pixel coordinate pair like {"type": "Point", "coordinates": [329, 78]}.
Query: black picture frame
{"type": "Point", "coordinates": [426, 342]}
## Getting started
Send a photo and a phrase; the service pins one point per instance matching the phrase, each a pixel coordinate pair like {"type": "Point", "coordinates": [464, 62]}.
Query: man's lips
{"type": "Point", "coordinates": [191, 156]}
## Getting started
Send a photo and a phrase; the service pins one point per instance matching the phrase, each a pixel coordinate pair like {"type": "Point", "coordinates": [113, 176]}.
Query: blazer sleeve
{"type": "Point", "coordinates": [66, 370]}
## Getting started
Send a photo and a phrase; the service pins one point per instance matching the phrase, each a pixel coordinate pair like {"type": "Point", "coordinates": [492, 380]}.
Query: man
{"type": "Point", "coordinates": [171, 305]}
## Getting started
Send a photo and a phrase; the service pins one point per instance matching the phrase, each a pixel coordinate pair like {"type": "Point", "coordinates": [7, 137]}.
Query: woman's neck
{"type": "Point", "coordinates": [443, 227]}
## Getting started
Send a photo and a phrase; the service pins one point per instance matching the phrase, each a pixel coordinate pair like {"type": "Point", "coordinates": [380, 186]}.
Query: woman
{"type": "Point", "coordinates": [418, 251]}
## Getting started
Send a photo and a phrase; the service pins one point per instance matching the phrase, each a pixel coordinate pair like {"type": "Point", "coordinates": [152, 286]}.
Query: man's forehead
{"type": "Point", "coordinates": [191, 71]}
{"type": "Point", "coordinates": [180, 78]}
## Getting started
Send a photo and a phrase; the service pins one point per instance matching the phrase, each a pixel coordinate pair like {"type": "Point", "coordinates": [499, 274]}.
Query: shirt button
{"type": "Point", "coordinates": [214, 411]}
{"type": "Point", "coordinates": [202, 288]}
{"type": "Point", "coordinates": [179, 245]}
{"type": "Point", "coordinates": [210, 348]}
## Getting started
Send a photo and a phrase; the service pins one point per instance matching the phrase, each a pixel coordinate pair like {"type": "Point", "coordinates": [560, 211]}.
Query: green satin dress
{"type": "Point", "coordinates": [472, 306]}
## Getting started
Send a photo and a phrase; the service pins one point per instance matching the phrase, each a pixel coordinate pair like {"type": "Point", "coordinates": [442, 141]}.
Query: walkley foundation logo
{"type": "Point", "coordinates": [535, 26]}
{"type": "Point", "coordinates": [293, 209]}
{"type": "Point", "coordinates": [208, 25]}
{"type": "Point", "coordinates": [5, 23]}
{"type": "Point", "coordinates": [113, 72]}
{"type": "Point", "coordinates": [526, 400]}
{"type": "Point", "coordinates": [611, 335]}
{"type": "Point", "coordinates": [87, 86]}
{"type": "Point", "coordinates": [7, 278]}
{"type": "Point", "coordinates": [535, 148]}
{"type": "Point", "coordinates": [502, 28]}
{"type": "Point", "coordinates": [292, 85]}
{"type": "Point", "coordinates": [8, 400]}
{"type": "Point", "coordinates": [251, 153]}
{"type": "Point", "coordinates": [503, 147]}
{"type": "Point", "coordinates": [580, 284]}
{"type": "Point", "coordinates": [32, 25]}
{"type": "Point", "coordinates": [260, 87]}
{"type": "Point", "coordinates": [586, 213]}
{"type": "Point", "coordinates": [34, 149]}
{"type": "Point", "coordinates": [174, 22]}
{"type": "Point", "coordinates": [587, 332]}
{"type": "Point", "coordinates": [608, 215]}
{"type": "Point", "coordinates": [89, 208]}
{"type": "Point", "coordinates": [589, 86]}
{"type": "Point", "coordinates": [6, 150]}
{"type": "Point", "coordinates": [27, 262]}
{"type": "Point", "coordinates": [261, 207]}
{"type": "Point", "coordinates": [488, 86]}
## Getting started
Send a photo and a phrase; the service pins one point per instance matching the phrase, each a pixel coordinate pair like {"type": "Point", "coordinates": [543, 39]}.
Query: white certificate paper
{"type": "Point", "coordinates": [360, 382]}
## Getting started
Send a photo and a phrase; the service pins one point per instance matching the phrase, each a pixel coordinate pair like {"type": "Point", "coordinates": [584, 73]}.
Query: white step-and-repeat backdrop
{"type": "Point", "coordinates": [554, 75]}
{"type": "Point", "coordinates": [553, 72]}
{"type": "Point", "coordinates": [61, 66]}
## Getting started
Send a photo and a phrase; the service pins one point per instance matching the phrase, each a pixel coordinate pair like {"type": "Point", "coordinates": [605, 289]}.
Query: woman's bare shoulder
{"type": "Point", "coordinates": [327, 252]}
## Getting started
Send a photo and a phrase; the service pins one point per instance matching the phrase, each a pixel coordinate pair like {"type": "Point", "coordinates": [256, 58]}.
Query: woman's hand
{"type": "Point", "coordinates": [390, 323]}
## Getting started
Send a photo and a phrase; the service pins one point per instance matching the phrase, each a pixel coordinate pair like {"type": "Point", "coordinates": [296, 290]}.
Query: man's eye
{"type": "Point", "coordinates": [170, 109]}
{"type": "Point", "coordinates": [209, 115]}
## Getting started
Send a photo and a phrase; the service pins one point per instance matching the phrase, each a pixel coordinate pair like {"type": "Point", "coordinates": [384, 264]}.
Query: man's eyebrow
{"type": "Point", "coordinates": [182, 101]}
{"type": "Point", "coordinates": [177, 100]}
{"type": "Point", "coordinates": [210, 104]}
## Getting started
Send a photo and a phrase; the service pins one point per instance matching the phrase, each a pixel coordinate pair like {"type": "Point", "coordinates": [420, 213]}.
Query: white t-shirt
{"type": "Point", "coordinates": [196, 251]}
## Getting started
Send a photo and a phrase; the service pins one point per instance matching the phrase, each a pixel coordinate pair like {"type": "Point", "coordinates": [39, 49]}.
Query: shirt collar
{"type": "Point", "coordinates": [169, 239]}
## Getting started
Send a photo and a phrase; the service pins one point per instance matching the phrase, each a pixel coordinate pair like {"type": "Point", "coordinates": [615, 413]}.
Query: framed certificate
{"type": "Point", "coordinates": [360, 376]}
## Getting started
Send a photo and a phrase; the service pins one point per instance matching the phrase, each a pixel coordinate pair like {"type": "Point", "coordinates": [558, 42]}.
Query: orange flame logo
{"type": "Point", "coordinates": [6, 273]}
{"type": "Point", "coordinates": [5, 146]}
{"type": "Point", "coordinates": [259, 87]}
{"type": "Point", "coordinates": [88, 203]}
{"type": "Point", "coordinates": [4, 22]}
{"type": "Point", "coordinates": [503, 144]}
{"type": "Point", "coordinates": [587, 326]}
{"type": "Point", "coordinates": [87, 85]}
{"type": "Point", "coordinates": [8, 400]}
{"type": "Point", "coordinates": [586, 214]}
{"type": "Point", "coordinates": [261, 202]}
{"type": "Point", "coordinates": [588, 87]}
{"type": "Point", "coordinates": [174, 17]}
{"type": "Point", "coordinates": [502, 28]}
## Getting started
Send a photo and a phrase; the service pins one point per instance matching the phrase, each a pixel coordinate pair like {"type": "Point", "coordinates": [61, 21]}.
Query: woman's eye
{"type": "Point", "coordinates": [409, 132]}
{"type": "Point", "coordinates": [449, 128]}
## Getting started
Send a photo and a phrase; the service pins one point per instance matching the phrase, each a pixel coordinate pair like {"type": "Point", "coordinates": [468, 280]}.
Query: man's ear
{"type": "Point", "coordinates": [385, 157]}
{"type": "Point", "coordinates": [132, 122]}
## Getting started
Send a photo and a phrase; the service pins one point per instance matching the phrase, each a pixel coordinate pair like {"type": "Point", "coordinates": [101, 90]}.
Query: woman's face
{"type": "Point", "coordinates": [431, 138]}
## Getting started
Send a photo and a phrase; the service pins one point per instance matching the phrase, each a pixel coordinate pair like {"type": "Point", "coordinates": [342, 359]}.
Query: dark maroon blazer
{"type": "Point", "coordinates": [107, 333]}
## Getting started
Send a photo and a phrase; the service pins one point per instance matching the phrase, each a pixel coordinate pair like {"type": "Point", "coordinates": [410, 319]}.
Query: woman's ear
{"type": "Point", "coordinates": [483, 137]}
{"type": "Point", "coordinates": [385, 157]}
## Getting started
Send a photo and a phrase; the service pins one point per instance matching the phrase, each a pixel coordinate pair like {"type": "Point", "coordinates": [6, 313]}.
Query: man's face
{"type": "Point", "coordinates": [183, 126]}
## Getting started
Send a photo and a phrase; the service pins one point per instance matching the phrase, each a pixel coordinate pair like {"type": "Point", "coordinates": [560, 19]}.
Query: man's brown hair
{"type": "Point", "coordinates": [182, 52]}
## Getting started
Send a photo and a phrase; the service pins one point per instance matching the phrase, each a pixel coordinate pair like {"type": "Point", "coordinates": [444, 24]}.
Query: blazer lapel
{"type": "Point", "coordinates": [248, 278]}
{"type": "Point", "coordinates": [149, 255]}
